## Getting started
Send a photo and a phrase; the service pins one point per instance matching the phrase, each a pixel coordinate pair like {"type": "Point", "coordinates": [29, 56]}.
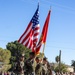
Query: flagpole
{"type": "Point", "coordinates": [34, 65]}
{"type": "Point", "coordinates": [50, 8]}
{"type": "Point", "coordinates": [43, 49]}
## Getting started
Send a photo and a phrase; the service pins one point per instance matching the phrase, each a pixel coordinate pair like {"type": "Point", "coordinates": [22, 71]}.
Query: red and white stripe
{"type": "Point", "coordinates": [30, 37]}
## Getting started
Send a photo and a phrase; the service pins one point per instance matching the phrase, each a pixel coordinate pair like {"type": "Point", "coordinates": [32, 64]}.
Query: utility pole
{"type": "Point", "coordinates": [59, 61]}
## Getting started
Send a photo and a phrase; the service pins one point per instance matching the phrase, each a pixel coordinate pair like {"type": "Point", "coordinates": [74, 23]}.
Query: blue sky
{"type": "Point", "coordinates": [16, 14]}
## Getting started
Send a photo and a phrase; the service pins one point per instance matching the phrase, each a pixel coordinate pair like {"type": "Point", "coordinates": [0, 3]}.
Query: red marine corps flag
{"type": "Point", "coordinates": [44, 34]}
{"type": "Point", "coordinates": [30, 37]}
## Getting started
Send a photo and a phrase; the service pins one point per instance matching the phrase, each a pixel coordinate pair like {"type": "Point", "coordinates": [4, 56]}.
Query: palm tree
{"type": "Point", "coordinates": [57, 59]}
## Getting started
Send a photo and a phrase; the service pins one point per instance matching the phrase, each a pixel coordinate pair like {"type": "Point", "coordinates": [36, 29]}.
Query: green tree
{"type": "Point", "coordinates": [5, 55]}
{"type": "Point", "coordinates": [57, 59]}
{"type": "Point", "coordinates": [63, 68]}
{"type": "Point", "coordinates": [73, 64]}
{"type": "Point", "coordinates": [16, 50]}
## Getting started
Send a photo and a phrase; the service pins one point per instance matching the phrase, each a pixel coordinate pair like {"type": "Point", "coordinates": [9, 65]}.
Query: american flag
{"type": "Point", "coordinates": [30, 37]}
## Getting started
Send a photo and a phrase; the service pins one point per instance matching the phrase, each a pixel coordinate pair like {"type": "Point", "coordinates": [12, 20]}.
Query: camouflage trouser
{"type": "Point", "coordinates": [30, 73]}
{"type": "Point", "coordinates": [20, 74]}
{"type": "Point", "coordinates": [37, 74]}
